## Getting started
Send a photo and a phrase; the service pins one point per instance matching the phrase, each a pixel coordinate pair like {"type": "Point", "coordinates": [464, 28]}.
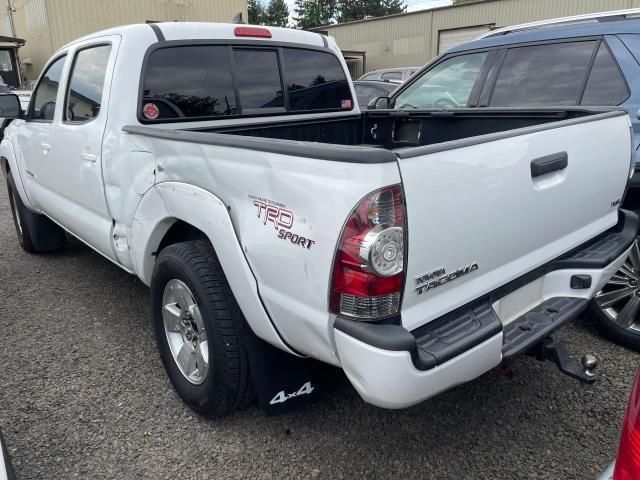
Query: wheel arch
{"type": "Point", "coordinates": [171, 212]}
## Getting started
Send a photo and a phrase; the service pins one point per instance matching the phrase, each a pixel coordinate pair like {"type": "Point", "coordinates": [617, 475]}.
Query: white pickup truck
{"type": "Point", "coordinates": [230, 169]}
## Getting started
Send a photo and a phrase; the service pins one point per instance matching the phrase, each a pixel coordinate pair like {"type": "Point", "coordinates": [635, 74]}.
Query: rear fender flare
{"type": "Point", "coordinates": [168, 202]}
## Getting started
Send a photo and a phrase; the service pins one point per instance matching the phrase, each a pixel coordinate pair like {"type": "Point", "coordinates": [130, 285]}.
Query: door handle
{"type": "Point", "coordinates": [549, 163]}
{"type": "Point", "coordinates": [89, 157]}
{"type": "Point", "coordinates": [45, 147]}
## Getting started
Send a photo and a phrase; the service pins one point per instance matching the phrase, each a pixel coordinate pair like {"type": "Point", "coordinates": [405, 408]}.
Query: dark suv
{"type": "Point", "coordinates": [594, 63]}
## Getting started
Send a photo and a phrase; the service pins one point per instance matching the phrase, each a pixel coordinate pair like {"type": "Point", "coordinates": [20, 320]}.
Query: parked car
{"type": "Point", "coordinates": [413, 255]}
{"type": "Point", "coordinates": [580, 61]}
{"type": "Point", "coordinates": [627, 464]}
{"type": "Point", "coordinates": [370, 89]}
{"type": "Point", "coordinates": [397, 75]}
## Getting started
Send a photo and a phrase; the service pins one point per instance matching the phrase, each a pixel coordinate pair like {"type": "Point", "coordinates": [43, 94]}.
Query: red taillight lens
{"type": "Point", "coordinates": [252, 32]}
{"type": "Point", "coordinates": [368, 271]}
{"type": "Point", "coordinates": [628, 461]}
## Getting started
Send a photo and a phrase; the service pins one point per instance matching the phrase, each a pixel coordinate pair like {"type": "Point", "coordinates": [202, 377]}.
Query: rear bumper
{"type": "Point", "coordinates": [394, 368]}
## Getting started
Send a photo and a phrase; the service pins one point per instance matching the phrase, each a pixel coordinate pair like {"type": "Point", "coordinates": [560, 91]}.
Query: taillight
{"type": "Point", "coordinates": [628, 461]}
{"type": "Point", "coordinates": [252, 32]}
{"type": "Point", "coordinates": [368, 271]}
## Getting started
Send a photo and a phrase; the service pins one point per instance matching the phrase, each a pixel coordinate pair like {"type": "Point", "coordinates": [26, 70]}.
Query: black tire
{"type": "Point", "coordinates": [621, 336]}
{"type": "Point", "coordinates": [228, 385]}
{"type": "Point", "coordinates": [36, 233]}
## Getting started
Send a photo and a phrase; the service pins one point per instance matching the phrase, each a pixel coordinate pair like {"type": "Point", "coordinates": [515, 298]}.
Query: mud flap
{"type": "Point", "coordinates": [283, 382]}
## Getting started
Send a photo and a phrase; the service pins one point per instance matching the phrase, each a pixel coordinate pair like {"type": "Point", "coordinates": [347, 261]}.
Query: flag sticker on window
{"type": "Point", "coordinates": [347, 104]}
{"type": "Point", "coordinates": [151, 111]}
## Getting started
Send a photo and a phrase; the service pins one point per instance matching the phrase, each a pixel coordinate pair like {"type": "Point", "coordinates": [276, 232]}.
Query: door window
{"type": "Point", "coordinates": [45, 94]}
{"type": "Point", "coordinates": [538, 75]}
{"type": "Point", "coordinates": [447, 85]}
{"type": "Point", "coordinates": [84, 97]}
{"type": "Point", "coordinates": [605, 86]}
{"type": "Point", "coordinates": [188, 82]}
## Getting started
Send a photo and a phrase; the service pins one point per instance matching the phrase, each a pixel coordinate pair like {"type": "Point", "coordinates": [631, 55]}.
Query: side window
{"type": "Point", "coordinates": [43, 104]}
{"type": "Point", "coordinates": [188, 82]}
{"type": "Point", "coordinates": [258, 77]}
{"type": "Point", "coordinates": [84, 96]}
{"type": "Point", "coordinates": [605, 86]}
{"type": "Point", "coordinates": [315, 81]}
{"type": "Point", "coordinates": [542, 75]}
{"type": "Point", "coordinates": [391, 76]}
{"type": "Point", "coordinates": [447, 85]}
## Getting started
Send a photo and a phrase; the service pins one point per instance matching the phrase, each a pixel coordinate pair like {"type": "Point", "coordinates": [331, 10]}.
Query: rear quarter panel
{"type": "Point", "coordinates": [306, 197]}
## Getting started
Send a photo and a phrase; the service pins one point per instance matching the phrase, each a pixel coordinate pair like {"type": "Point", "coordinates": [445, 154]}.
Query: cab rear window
{"type": "Point", "coordinates": [212, 81]}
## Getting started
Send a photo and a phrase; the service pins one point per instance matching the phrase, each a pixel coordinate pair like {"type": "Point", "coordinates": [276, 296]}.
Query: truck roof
{"type": "Point", "coordinates": [208, 31]}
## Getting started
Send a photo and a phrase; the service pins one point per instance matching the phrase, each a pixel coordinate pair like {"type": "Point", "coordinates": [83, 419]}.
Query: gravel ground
{"type": "Point", "coordinates": [83, 395]}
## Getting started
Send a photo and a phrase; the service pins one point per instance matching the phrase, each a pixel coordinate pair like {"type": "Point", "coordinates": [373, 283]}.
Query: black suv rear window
{"type": "Point", "coordinates": [212, 81]}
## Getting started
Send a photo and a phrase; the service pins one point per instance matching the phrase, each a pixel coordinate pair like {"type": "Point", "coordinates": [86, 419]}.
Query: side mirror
{"type": "Point", "coordinates": [379, 103]}
{"type": "Point", "coordinates": [10, 106]}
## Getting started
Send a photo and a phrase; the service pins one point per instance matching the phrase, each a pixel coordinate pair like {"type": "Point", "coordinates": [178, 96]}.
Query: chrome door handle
{"type": "Point", "coordinates": [45, 147]}
{"type": "Point", "coordinates": [89, 157]}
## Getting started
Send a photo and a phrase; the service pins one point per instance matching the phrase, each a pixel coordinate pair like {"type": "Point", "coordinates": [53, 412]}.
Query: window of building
{"type": "Point", "coordinates": [84, 97]}
{"type": "Point", "coordinates": [537, 75]}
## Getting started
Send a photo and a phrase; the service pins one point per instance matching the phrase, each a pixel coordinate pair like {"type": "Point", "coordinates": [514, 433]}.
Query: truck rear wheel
{"type": "Point", "coordinates": [199, 329]}
{"type": "Point", "coordinates": [617, 306]}
{"type": "Point", "coordinates": [36, 233]}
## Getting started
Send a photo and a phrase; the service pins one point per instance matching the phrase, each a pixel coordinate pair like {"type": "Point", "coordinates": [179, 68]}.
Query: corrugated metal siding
{"type": "Point", "coordinates": [408, 40]}
{"type": "Point", "coordinates": [49, 24]}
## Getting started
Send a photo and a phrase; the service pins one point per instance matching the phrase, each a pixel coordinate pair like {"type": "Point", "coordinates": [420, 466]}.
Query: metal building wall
{"type": "Point", "coordinates": [49, 24]}
{"type": "Point", "coordinates": [412, 39]}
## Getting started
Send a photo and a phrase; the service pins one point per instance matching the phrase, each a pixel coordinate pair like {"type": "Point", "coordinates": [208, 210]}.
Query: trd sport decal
{"type": "Point", "coordinates": [282, 220]}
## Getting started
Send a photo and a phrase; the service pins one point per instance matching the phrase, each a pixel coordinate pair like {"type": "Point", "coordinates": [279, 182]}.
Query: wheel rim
{"type": "Point", "coordinates": [185, 331]}
{"type": "Point", "coordinates": [16, 214]}
{"type": "Point", "coordinates": [619, 300]}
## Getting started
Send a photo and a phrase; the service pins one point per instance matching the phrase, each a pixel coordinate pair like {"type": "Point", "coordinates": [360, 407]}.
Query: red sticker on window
{"type": "Point", "coordinates": [151, 111]}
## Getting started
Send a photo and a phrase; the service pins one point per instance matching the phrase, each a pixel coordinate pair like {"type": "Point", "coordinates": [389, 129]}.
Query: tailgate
{"type": "Point", "coordinates": [486, 210]}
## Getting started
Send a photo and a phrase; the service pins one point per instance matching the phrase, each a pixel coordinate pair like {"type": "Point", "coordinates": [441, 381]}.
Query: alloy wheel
{"type": "Point", "coordinates": [185, 331]}
{"type": "Point", "coordinates": [619, 300]}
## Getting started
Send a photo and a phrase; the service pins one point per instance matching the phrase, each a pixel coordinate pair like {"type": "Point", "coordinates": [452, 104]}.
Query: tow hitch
{"type": "Point", "coordinates": [557, 353]}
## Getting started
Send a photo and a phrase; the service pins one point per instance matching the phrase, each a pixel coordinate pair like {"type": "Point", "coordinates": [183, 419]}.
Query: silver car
{"type": "Point", "coordinates": [397, 75]}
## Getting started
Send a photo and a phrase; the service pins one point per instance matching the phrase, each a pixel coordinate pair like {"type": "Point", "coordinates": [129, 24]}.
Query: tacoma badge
{"type": "Point", "coordinates": [439, 276]}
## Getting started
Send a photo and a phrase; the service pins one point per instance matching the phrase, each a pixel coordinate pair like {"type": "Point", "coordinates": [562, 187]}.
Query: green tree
{"type": "Point", "coordinates": [256, 12]}
{"type": "Point", "coordinates": [314, 13]}
{"type": "Point", "coordinates": [277, 13]}
{"type": "Point", "coordinates": [350, 10]}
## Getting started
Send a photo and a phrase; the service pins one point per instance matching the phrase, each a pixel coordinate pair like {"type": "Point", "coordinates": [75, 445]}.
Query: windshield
{"type": "Point", "coordinates": [447, 85]}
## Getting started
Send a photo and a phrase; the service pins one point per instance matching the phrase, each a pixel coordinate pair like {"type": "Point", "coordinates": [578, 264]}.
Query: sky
{"type": "Point", "coordinates": [412, 5]}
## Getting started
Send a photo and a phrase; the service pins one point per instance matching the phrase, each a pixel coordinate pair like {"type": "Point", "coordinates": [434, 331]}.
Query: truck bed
{"type": "Point", "coordinates": [402, 129]}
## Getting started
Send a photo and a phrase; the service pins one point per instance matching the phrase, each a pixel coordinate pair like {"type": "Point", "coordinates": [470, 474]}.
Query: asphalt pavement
{"type": "Point", "coordinates": [83, 395]}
